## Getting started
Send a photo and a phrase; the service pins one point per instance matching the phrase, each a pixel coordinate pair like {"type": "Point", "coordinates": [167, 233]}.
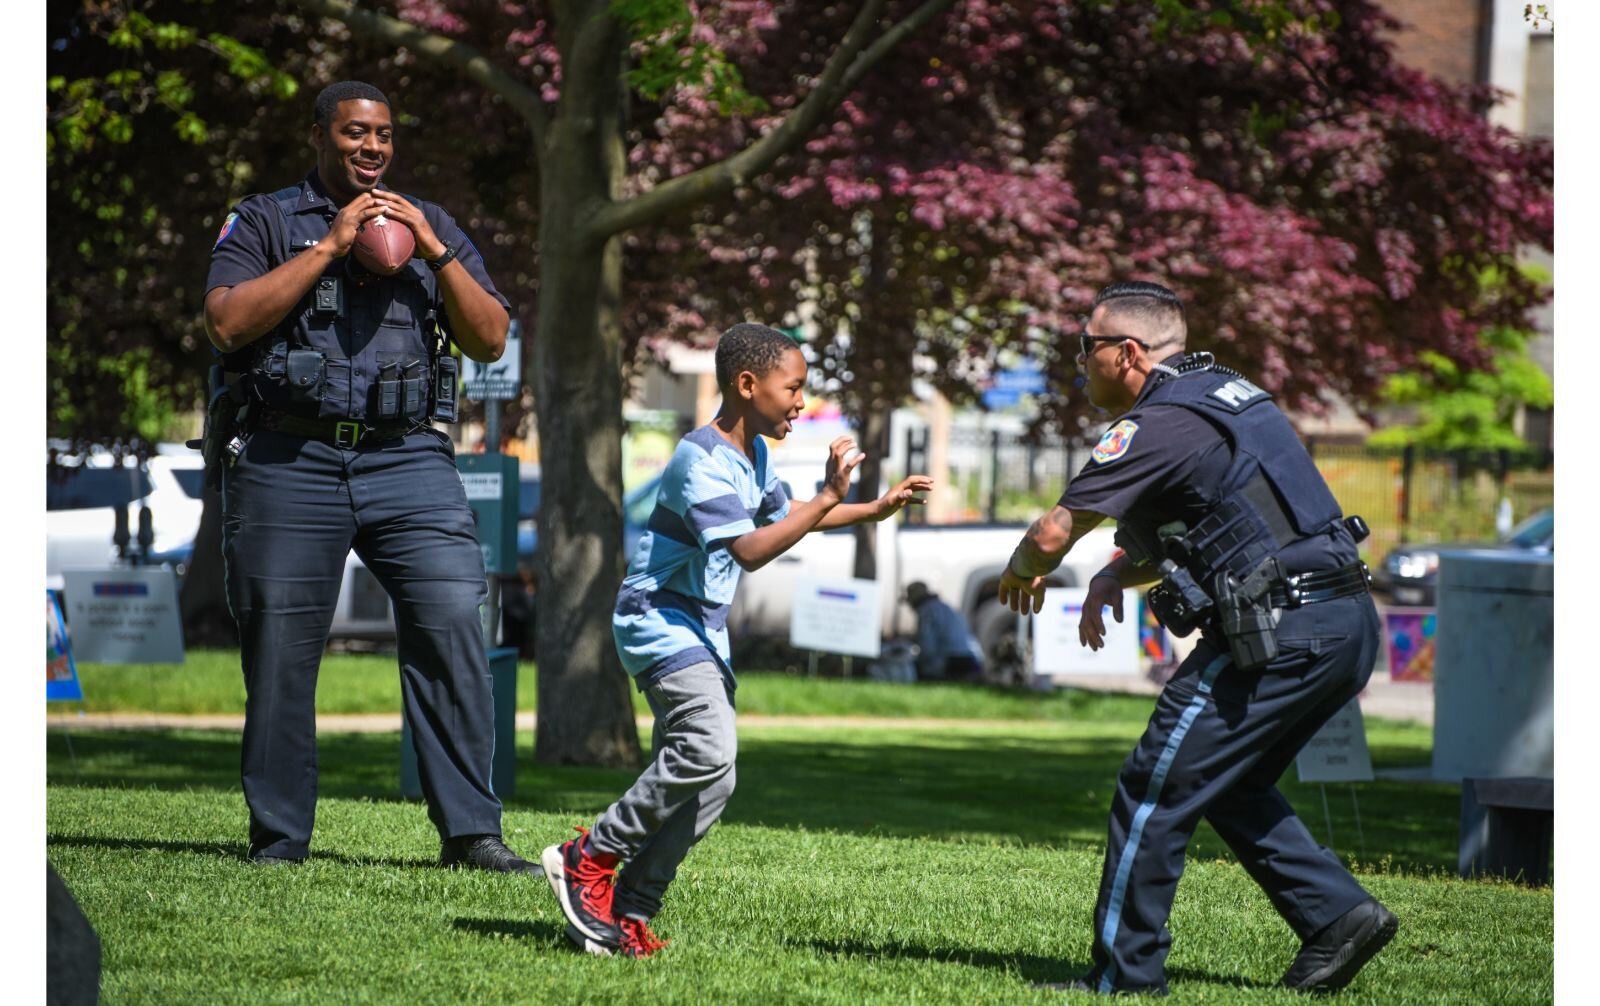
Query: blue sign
{"type": "Point", "coordinates": [61, 674]}
{"type": "Point", "coordinates": [1027, 379]}
{"type": "Point", "coordinates": [1001, 398]}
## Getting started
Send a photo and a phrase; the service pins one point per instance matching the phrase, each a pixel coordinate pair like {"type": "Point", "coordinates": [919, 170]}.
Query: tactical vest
{"type": "Point", "coordinates": [1271, 495]}
{"type": "Point", "coordinates": [377, 335]}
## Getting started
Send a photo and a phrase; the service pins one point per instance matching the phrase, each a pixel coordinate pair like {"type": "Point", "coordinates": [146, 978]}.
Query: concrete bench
{"type": "Point", "coordinates": [1507, 827]}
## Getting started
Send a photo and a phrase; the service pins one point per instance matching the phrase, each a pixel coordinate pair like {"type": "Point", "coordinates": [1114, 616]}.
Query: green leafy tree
{"type": "Point", "coordinates": [1460, 407]}
{"type": "Point", "coordinates": [1466, 406]}
{"type": "Point", "coordinates": [133, 101]}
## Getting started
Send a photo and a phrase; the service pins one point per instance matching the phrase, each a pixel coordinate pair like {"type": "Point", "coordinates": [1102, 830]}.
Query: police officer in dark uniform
{"type": "Point", "coordinates": [330, 375]}
{"type": "Point", "coordinates": [1215, 498]}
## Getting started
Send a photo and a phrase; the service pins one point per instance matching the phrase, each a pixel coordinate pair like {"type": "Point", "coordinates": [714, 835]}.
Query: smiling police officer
{"type": "Point", "coordinates": [1214, 497]}
{"type": "Point", "coordinates": [336, 372]}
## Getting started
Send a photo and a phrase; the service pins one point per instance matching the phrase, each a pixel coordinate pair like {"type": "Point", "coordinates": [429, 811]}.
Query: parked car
{"type": "Point", "coordinates": [84, 492]}
{"type": "Point", "coordinates": [1410, 573]}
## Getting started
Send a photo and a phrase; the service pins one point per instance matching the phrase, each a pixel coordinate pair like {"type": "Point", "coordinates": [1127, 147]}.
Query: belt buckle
{"type": "Point", "coordinates": [346, 434]}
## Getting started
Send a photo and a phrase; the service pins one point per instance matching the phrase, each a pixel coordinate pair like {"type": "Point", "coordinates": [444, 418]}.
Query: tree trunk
{"type": "Point", "coordinates": [874, 431]}
{"type": "Point", "coordinates": [585, 713]}
{"type": "Point", "coordinates": [202, 602]}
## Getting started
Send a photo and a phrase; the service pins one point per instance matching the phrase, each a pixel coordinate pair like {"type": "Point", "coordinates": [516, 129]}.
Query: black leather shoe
{"type": "Point", "coordinates": [484, 852]}
{"type": "Point", "coordinates": [1330, 959]}
{"type": "Point", "coordinates": [276, 860]}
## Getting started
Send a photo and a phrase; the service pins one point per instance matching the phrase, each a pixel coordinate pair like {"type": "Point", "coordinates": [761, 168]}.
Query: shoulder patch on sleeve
{"type": "Point", "coordinates": [1116, 442]}
{"type": "Point", "coordinates": [227, 228]}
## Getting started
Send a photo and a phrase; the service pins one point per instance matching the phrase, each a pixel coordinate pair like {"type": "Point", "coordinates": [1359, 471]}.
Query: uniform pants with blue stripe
{"type": "Point", "coordinates": [292, 511]}
{"type": "Point", "coordinates": [1215, 747]}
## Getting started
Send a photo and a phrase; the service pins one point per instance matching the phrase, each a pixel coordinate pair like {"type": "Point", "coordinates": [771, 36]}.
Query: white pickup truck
{"type": "Point", "coordinates": [961, 563]}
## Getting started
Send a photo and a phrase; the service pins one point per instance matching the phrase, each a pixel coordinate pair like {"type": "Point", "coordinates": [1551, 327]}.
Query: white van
{"type": "Point", "coordinates": [83, 493]}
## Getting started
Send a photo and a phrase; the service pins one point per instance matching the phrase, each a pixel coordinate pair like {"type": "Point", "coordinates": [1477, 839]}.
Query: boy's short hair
{"type": "Point", "coordinates": [752, 347]}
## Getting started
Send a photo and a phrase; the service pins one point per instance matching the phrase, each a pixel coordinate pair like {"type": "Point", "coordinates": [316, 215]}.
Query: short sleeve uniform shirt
{"type": "Point", "coordinates": [254, 239]}
{"type": "Point", "coordinates": [1163, 463]}
{"type": "Point", "coordinates": [672, 609]}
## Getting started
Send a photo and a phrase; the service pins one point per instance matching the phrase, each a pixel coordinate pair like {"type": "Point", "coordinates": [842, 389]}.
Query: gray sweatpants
{"type": "Point", "coordinates": [681, 792]}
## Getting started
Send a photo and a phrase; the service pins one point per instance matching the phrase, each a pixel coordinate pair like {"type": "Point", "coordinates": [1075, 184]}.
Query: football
{"type": "Point", "coordinates": [383, 246]}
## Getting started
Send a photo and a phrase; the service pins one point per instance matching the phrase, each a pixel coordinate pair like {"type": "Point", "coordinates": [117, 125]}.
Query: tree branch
{"type": "Point", "coordinates": [849, 63]}
{"type": "Point", "coordinates": [469, 61]}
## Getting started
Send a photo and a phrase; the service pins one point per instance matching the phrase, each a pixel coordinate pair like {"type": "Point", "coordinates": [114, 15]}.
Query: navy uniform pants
{"type": "Point", "coordinates": [1214, 749]}
{"type": "Point", "coordinates": [292, 511]}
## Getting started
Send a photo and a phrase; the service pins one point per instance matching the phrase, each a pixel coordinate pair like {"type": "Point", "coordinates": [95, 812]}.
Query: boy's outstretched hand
{"type": "Point", "coordinates": [839, 470]}
{"type": "Point", "coordinates": [902, 494]}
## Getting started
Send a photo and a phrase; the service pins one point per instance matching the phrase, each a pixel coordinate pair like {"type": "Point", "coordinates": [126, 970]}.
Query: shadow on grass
{"type": "Point", "coordinates": [520, 929]}
{"type": "Point", "coordinates": [1031, 967]}
{"type": "Point", "coordinates": [235, 851]}
{"type": "Point", "coordinates": [981, 785]}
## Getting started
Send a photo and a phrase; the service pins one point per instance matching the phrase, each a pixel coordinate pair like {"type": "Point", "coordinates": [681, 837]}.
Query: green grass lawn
{"type": "Point", "coordinates": [210, 682]}
{"type": "Point", "coordinates": [956, 864]}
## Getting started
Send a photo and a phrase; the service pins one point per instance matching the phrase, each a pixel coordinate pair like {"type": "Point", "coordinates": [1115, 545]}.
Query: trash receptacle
{"type": "Point", "coordinates": [503, 777]}
{"type": "Point", "coordinates": [1494, 670]}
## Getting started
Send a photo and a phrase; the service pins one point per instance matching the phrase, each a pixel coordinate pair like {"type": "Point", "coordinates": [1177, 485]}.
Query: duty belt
{"type": "Point", "coordinates": [1325, 585]}
{"type": "Point", "coordinates": [346, 433]}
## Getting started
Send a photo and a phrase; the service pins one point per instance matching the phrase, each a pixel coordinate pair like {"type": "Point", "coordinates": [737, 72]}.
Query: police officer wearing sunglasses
{"type": "Point", "coordinates": [329, 378]}
{"type": "Point", "coordinates": [1219, 505]}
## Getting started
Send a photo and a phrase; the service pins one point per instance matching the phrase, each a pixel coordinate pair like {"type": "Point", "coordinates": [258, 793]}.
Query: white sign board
{"type": "Point", "coordinates": [499, 381]}
{"type": "Point", "coordinates": [481, 485]}
{"type": "Point", "coordinates": [124, 616]}
{"type": "Point", "coordinates": [1338, 752]}
{"type": "Point", "coordinates": [1056, 649]}
{"type": "Point", "coordinates": [836, 615]}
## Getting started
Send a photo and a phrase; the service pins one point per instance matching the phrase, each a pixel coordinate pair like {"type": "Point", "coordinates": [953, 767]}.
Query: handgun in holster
{"type": "Point", "coordinates": [222, 441]}
{"type": "Point", "coordinates": [1248, 619]}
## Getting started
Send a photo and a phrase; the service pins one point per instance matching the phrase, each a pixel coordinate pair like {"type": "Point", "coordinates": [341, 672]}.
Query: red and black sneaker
{"type": "Point", "coordinates": [637, 939]}
{"type": "Point", "coordinates": [583, 883]}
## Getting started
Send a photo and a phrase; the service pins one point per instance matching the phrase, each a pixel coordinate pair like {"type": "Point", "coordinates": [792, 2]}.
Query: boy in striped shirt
{"type": "Point", "coordinates": [720, 510]}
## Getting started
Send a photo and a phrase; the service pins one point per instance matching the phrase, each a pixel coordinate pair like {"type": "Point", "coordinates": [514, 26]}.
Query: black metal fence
{"type": "Point", "coordinates": [1405, 494]}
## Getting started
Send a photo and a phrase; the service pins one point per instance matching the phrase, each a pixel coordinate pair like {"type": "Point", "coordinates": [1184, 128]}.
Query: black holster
{"type": "Point", "coordinates": [1247, 618]}
{"type": "Point", "coordinates": [222, 441]}
{"type": "Point", "coordinates": [1178, 602]}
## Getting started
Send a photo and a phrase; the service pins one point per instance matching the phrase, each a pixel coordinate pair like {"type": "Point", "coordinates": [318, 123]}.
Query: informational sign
{"type": "Point", "coordinates": [124, 616]}
{"type": "Point", "coordinates": [1001, 398]}
{"type": "Point", "coordinates": [1338, 752]}
{"type": "Point", "coordinates": [1408, 639]}
{"type": "Point", "coordinates": [1008, 386]}
{"type": "Point", "coordinates": [836, 615]}
{"type": "Point", "coordinates": [497, 381]}
{"type": "Point", "coordinates": [60, 673]}
{"type": "Point", "coordinates": [1026, 377]}
{"type": "Point", "coordinates": [1056, 649]}
{"type": "Point", "coordinates": [482, 485]}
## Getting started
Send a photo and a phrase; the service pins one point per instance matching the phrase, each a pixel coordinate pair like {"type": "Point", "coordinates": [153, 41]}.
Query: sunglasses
{"type": "Point", "coordinates": [1086, 342]}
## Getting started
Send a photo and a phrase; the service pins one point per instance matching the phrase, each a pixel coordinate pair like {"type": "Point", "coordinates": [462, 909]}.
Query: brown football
{"type": "Point", "coordinates": [384, 246]}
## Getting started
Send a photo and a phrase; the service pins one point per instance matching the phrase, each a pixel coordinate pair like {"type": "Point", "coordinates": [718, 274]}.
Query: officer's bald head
{"type": "Point", "coordinates": [1147, 311]}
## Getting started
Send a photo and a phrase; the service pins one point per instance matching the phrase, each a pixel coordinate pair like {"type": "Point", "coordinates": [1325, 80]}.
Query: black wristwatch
{"type": "Point", "coordinates": [443, 260]}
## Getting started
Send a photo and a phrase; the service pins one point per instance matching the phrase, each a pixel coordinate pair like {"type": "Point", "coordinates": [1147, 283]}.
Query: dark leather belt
{"type": "Point", "coordinates": [345, 433]}
{"type": "Point", "coordinates": [1326, 585]}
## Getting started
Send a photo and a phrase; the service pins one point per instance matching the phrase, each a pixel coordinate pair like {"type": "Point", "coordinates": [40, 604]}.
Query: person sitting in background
{"type": "Point", "coordinates": [519, 607]}
{"type": "Point", "coordinates": [948, 651]}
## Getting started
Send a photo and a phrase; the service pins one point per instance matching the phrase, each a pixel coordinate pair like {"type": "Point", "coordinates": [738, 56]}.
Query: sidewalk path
{"type": "Point", "coordinates": [1390, 700]}
{"type": "Point", "coordinates": [1382, 698]}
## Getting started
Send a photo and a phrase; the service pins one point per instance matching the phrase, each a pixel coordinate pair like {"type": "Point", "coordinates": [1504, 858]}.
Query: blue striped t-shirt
{"type": "Point", "coordinates": [672, 610]}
